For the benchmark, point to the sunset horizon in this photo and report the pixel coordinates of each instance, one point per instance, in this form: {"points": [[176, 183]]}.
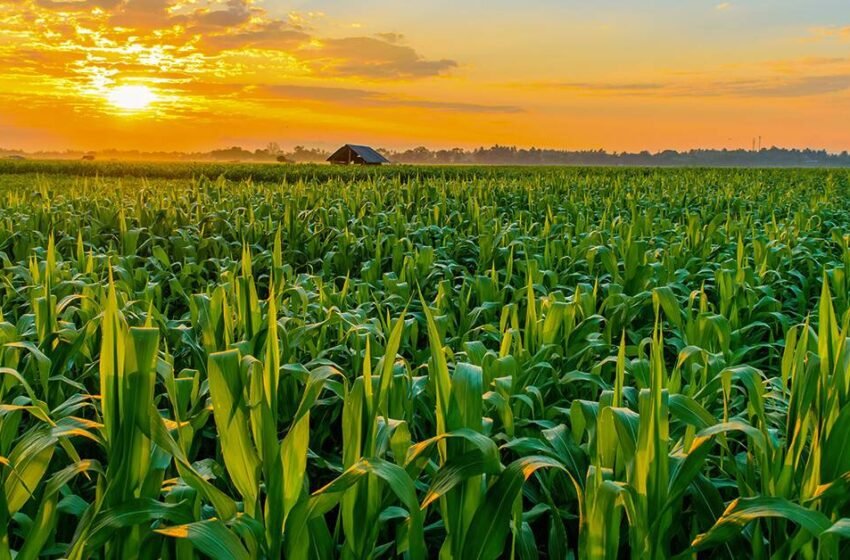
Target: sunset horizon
{"points": [[197, 75]]}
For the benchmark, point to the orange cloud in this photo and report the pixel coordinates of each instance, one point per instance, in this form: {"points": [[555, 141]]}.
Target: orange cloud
{"points": [[114, 40], [783, 85], [358, 98], [377, 57]]}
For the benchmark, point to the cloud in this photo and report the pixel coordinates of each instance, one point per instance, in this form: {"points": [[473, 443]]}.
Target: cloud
{"points": [[380, 58], [628, 88], [35, 61], [155, 15], [768, 86], [203, 36], [373, 57], [236, 13], [317, 93], [76, 5], [368, 98], [394, 38], [804, 86], [142, 14], [723, 6], [271, 35]]}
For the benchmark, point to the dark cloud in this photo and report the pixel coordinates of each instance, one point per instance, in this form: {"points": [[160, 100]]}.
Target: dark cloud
{"points": [[371, 57], [191, 37], [272, 35], [390, 37], [154, 14], [143, 14], [367, 57], [236, 13]]}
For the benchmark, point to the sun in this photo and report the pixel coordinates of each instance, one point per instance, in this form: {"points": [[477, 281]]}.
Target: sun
{"points": [[131, 98]]}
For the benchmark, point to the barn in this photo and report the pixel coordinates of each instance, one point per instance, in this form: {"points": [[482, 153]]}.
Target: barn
{"points": [[351, 154]]}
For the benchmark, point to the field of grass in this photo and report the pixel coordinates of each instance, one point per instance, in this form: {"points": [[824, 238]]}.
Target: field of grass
{"points": [[458, 363]]}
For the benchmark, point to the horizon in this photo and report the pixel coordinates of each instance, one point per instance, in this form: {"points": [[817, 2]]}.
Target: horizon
{"points": [[196, 75], [766, 157], [405, 149]]}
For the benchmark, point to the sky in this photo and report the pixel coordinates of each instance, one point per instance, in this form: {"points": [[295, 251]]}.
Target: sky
{"points": [[193, 75]]}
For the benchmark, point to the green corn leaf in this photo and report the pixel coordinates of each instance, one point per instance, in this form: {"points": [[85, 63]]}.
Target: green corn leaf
{"points": [[489, 527], [212, 537], [240, 456], [743, 511]]}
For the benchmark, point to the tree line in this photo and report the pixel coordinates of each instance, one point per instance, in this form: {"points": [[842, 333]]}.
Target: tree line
{"points": [[494, 155]]}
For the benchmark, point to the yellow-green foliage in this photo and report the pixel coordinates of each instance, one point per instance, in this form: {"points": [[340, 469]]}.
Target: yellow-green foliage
{"points": [[454, 363]]}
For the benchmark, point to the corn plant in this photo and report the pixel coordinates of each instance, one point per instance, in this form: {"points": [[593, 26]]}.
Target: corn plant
{"points": [[421, 362]]}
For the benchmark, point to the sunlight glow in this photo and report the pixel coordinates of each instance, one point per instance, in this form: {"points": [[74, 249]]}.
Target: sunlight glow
{"points": [[131, 98]]}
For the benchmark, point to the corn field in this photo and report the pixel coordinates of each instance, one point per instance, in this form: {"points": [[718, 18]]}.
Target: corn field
{"points": [[416, 363]]}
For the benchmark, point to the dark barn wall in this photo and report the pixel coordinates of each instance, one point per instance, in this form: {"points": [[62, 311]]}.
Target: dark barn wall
{"points": [[348, 155], [345, 156]]}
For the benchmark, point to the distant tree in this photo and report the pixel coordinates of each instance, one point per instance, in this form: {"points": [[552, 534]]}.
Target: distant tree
{"points": [[308, 155], [771, 157], [232, 153]]}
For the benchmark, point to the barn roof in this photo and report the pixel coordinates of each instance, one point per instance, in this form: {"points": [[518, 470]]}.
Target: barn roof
{"points": [[365, 152]]}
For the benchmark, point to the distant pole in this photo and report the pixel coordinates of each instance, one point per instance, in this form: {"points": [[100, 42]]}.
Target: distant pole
{"points": [[759, 142]]}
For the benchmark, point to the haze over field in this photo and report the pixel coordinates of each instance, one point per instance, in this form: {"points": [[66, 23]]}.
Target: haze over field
{"points": [[203, 74]]}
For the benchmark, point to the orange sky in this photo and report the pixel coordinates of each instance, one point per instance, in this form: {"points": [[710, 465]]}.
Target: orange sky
{"points": [[203, 74]]}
